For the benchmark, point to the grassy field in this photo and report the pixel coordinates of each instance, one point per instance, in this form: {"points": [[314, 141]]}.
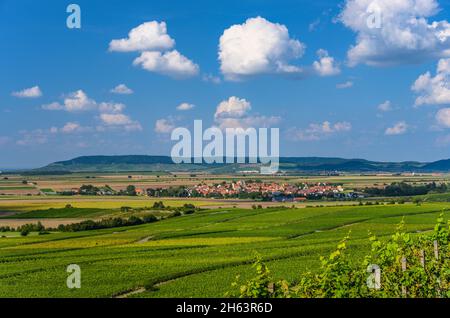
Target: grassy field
{"points": [[195, 255]]}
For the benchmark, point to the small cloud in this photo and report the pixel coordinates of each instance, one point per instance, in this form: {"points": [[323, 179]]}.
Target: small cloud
{"points": [[313, 25], [344, 85], [111, 108], [171, 63], [53, 106], [326, 65], [234, 107], [164, 126], [31, 138], [443, 117], [71, 127], [32, 92], [442, 141], [119, 121], [319, 131], [122, 89], [235, 113], [385, 107], [75, 102], [148, 36], [211, 79], [398, 129], [185, 106]]}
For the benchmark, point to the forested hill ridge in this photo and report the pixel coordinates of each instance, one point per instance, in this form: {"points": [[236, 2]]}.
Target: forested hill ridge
{"points": [[287, 164]]}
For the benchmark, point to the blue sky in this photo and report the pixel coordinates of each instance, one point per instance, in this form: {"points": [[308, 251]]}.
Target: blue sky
{"points": [[56, 99]]}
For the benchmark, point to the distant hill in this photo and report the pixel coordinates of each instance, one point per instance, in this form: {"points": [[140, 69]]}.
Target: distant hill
{"points": [[135, 163]]}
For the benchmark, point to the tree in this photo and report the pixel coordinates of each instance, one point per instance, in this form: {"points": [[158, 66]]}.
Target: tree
{"points": [[131, 190]]}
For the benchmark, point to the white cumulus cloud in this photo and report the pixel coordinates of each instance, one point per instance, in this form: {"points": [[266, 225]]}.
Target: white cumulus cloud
{"points": [[235, 113], [148, 36], [32, 92], [318, 131], [164, 126], [443, 117], [326, 65], [111, 107], [185, 106], [75, 102], [385, 106], [394, 32], [170, 63], [434, 90], [71, 127], [122, 89], [234, 107], [118, 120], [344, 85], [258, 46], [398, 129]]}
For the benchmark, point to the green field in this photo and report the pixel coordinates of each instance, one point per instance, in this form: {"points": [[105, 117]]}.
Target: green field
{"points": [[195, 255]]}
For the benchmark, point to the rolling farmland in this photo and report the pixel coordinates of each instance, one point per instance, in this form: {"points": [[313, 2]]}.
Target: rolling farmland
{"points": [[196, 255]]}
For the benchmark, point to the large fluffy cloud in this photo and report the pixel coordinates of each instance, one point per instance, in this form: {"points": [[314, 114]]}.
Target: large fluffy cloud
{"points": [[148, 36], [170, 63], [258, 46], [434, 90], [393, 32]]}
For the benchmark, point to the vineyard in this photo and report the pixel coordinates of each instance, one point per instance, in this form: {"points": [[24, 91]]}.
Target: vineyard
{"points": [[200, 255]]}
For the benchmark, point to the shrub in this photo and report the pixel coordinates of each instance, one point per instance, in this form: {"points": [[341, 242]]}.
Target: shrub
{"points": [[150, 219]]}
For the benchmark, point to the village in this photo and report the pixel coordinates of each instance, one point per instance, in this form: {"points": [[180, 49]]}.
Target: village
{"points": [[240, 189], [271, 191]]}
